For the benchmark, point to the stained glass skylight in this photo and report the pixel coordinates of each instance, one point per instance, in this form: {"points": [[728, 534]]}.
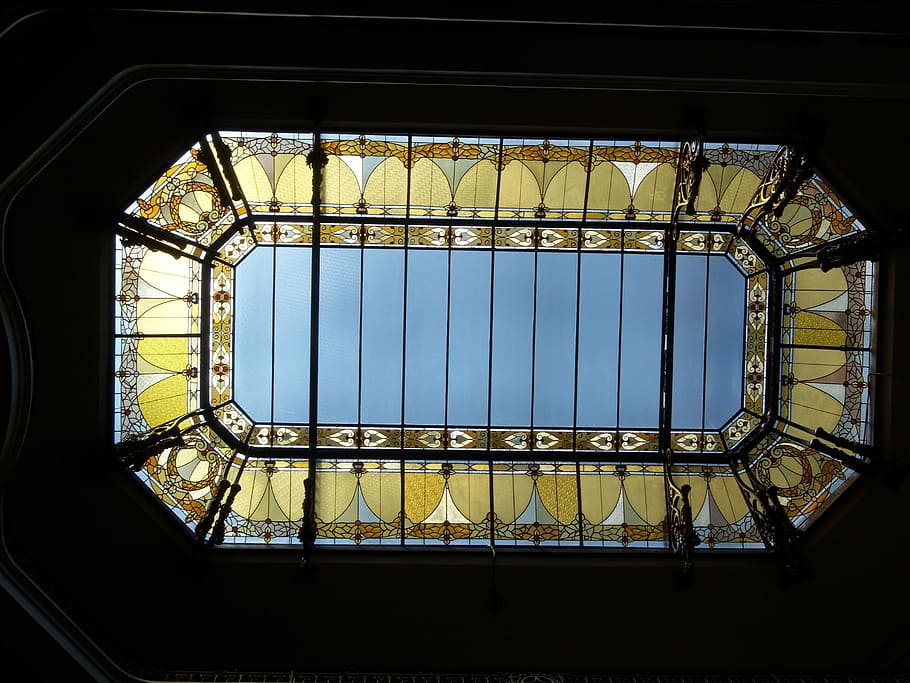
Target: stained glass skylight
{"points": [[485, 340]]}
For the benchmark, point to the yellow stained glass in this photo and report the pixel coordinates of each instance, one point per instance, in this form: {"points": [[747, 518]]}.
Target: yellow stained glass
{"points": [[387, 186], [422, 493], [600, 492], [165, 400], [655, 191], [430, 188], [816, 287], [340, 186], [609, 190], [381, 490], [728, 499], [295, 183], [470, 492], [566, 188]]}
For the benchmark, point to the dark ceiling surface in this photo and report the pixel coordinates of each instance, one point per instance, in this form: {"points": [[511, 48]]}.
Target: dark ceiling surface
{"points": [[97, 100]]}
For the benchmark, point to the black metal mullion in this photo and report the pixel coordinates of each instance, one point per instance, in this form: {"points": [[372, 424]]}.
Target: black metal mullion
{"points": [[533, 349], [314, 299], [445, 419], [821, 347], [317, 160], [667, 322], [773, 348], [704, 360], [579, 240], [745, 344], [622, 268], [535, 231], [360, 345], [272, 379], [404, 338], [404, 372], [490, 457]]}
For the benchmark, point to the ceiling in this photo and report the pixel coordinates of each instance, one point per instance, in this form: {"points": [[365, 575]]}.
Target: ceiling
{"points": [[96, 98]]}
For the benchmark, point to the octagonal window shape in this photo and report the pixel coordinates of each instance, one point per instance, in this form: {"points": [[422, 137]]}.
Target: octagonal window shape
{"points": [[460, 341], [405, 342]]}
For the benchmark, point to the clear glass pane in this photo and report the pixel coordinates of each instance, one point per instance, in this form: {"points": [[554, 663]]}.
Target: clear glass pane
{"points": [[425, 355], [339, 324], [639, 392], [293, 279], [513, 301], [469, 338], [383, 310], [598, 340], [253, 334], [726, 332], [554, 349], [689, 341]]}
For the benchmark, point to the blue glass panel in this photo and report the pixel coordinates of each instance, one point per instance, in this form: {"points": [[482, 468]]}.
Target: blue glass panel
{"points": [[383, 309], [689, 341], [726, 332], [425, 354], [339, 323], [513, 286], [554, 347], [469, 338], [598, 340], [253, 333], [639, 391], [292, 334]]}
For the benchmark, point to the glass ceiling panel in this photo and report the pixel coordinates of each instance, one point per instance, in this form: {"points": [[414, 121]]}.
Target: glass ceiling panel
{"points": [[271, 169], [729, 183], [826, 349], [483, 300], [469, 337], [428, 311]]}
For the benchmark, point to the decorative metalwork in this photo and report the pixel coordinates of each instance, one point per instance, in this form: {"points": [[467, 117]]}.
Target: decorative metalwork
{"points": [[777, 532], [856, 455], [860, 246], [789, 169], [680, 531], [217, 535], [134, 450], [692, 163], [135, 231], [212, 511], [308, 532]]}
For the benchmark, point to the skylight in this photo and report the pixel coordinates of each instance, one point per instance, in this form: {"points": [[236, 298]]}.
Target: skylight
{"points": [[463, 340], [575, 343]]}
